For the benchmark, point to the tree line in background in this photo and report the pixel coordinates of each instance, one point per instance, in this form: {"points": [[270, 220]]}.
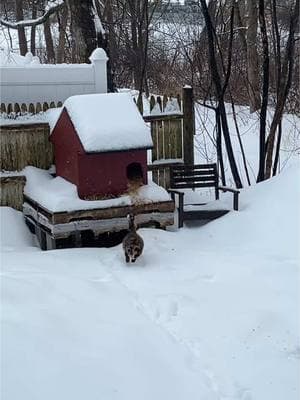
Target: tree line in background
{"points": [[237, 51]]}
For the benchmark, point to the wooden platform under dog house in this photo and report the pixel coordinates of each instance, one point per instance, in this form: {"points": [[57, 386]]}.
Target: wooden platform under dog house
{"points": [[60, 219], [93, 227]]}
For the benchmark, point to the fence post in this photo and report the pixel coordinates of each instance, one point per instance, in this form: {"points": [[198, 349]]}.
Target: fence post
{"points": [[99, 59], [188, 124]]}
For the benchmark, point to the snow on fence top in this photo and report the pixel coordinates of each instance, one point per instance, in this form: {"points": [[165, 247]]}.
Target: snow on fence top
{"points": [[108, 122], [11, 59], [30, 82]]}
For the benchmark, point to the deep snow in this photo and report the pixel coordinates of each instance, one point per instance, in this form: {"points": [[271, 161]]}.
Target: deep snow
{"points": [[208, 312]]}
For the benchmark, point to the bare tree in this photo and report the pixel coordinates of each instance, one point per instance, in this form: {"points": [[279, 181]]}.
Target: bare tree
{"points": [[21, 31], [284, 84], [49, 42], [252, 56], [219, 87], [265, 92], [62, 18], [33, 28]]}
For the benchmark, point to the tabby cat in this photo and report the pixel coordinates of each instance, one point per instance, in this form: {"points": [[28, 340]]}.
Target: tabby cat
{"points": [[133, 244]]}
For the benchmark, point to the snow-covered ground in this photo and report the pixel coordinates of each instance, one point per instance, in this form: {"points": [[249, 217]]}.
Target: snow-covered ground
{"points": [[207, 312]]}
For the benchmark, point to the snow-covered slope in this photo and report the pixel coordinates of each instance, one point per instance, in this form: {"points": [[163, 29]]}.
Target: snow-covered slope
{"points": [[208, 312]]}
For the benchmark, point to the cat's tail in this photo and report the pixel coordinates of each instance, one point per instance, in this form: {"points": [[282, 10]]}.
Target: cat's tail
{"points": [[130, 218]]}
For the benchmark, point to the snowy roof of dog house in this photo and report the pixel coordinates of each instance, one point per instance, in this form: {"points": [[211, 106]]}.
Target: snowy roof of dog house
{"points": [[108, 122]]}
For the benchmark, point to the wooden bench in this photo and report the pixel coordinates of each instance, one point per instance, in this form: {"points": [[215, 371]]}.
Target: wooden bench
{"points": [[198, 176]]}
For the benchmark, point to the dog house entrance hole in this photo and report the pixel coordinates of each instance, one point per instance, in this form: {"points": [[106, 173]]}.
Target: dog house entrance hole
{"points": [[135, 173]]}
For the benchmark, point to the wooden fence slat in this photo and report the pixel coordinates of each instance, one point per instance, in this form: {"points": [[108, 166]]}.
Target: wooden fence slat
{"points": [[160, 139], [38, 108], [3, 108], [159, 102], [140, 103], [167, 140], [179, 101], [154, 140], [17, 108], [152, 103], [165, 101], [188, 125], [31, 108], [45, 106], [173, 147], [23, 108]]}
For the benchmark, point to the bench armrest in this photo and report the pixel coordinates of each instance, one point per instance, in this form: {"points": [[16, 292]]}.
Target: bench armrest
{"points": [[228, 189], [180, 205], [175, 191], [235, 192]]}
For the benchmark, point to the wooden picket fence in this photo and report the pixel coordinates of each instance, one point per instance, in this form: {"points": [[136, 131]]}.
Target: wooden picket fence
{"points": [[172, 123], [32, 108], [166, 128]]}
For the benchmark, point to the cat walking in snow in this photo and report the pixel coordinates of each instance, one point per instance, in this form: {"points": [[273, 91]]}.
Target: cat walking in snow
{"points": [[133, 244]]}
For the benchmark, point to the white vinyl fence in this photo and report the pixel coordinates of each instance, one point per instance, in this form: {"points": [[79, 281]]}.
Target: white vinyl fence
{"points": [[43, 83]]}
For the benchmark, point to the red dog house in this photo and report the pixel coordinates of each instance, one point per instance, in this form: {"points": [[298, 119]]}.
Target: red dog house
{"points": [[100, 144]]}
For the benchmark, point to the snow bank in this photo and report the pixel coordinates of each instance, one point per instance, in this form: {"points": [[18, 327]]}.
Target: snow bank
{"points": [[269, 218], [13, 233], [207, 313], [57, 194], [108, 122]]}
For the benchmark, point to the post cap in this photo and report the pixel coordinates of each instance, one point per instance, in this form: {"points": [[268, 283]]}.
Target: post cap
{"points": [[98, 54]]}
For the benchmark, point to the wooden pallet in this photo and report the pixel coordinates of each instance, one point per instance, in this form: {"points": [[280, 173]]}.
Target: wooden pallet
{"points": [[93, 227]]}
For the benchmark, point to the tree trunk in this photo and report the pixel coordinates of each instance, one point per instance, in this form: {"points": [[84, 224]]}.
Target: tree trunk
{"points": [[111, 47], [220, 93], [134, 43], [21, 31], [265, 91], [283, 90], [252, 56], [33, 28], [83, 31], [277, 152], [219, 147], [49, 42], [62, 24]]}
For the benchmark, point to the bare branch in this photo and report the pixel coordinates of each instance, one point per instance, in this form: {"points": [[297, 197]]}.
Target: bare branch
{"points": [[52, 7]]}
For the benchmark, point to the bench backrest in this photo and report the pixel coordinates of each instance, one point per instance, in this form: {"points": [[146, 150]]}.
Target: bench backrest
{"points": [[194, 176]]}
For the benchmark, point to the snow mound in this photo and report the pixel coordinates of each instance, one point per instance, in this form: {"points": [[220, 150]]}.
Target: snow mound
{"points": [[268, 220], [14, 233]]}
